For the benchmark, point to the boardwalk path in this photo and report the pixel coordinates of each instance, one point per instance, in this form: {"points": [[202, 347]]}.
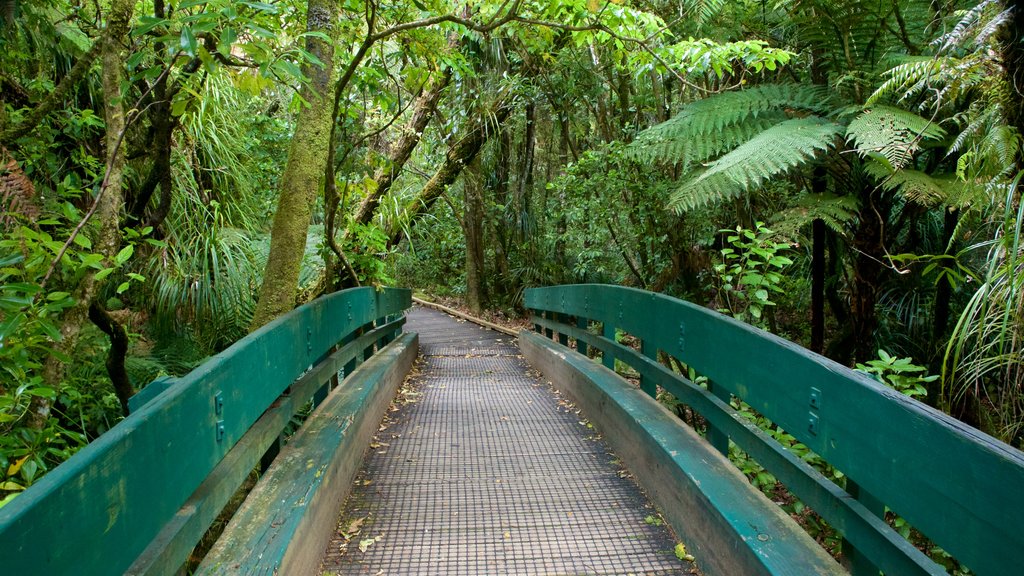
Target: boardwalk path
{"points": [[487, 472]]}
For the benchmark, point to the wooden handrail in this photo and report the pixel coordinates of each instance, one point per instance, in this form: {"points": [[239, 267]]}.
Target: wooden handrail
{"points": [[958, 486], [145, 485]]}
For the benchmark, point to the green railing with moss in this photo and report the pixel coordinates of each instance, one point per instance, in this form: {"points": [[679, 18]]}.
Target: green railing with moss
{"points": [[955, 485], [140, 497]]}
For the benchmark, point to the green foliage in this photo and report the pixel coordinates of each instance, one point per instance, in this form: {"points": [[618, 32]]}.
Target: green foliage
{"points": [[749, 273], [900, 374], [983, 361], [705, 128], [837, 212], [769, 154], [891, 135], [366, 247]]}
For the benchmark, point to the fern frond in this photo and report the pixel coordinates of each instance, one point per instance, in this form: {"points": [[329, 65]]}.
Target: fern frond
{"points": [[727, 119], [690, 151], [837, 212], [908, 79], [772, 153], [919, 187], [892, 132], [704, 11]]}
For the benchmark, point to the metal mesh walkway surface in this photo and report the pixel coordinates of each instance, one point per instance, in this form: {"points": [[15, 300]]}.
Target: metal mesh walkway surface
{"points": [[486, 471]]}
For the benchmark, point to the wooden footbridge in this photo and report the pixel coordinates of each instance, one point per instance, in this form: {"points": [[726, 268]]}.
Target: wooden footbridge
{"points": [[528, 455]]}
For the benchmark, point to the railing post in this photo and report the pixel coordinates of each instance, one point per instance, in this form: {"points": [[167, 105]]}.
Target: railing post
{"points": [[646, 385], [607, 358], [857, 562], [563, 338], [581, 346], [368, 351], [548, 332], [718, 438]]}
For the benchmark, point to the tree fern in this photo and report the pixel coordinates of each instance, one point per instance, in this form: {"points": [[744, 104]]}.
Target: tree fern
{"points": [[892, 133], [727, 119], [772, 153]]}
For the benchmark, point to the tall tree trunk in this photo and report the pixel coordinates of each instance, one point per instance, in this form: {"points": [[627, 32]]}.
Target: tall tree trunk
{"points": [[108, 203], [499, 231], [472, 227], [118, 351], [423, 111], [307, 158]]}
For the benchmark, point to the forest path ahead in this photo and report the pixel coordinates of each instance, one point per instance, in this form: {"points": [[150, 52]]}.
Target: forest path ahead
{"points": [[485, 470]]}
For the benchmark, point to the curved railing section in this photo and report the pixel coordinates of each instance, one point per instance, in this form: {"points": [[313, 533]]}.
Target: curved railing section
{"points": [[956, 485], [142, 495]]}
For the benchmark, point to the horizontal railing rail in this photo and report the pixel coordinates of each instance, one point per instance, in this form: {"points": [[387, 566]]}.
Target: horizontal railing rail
{"points": [[140, 497], [956, 485]]}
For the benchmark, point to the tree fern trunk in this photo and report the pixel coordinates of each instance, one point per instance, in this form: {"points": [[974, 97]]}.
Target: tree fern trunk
{"points": [[818, 286], [868, 272]]}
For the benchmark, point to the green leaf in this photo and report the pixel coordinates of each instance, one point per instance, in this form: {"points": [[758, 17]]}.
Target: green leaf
{"points": [[227, 39], [124, 286], [104, 273], [83, 241], [188, 41], [124, 254]]}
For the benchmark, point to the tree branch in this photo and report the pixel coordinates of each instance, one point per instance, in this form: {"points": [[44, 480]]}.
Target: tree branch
{"points": [[78, 71]]}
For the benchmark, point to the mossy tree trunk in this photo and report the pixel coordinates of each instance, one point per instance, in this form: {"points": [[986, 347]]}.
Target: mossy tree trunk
{"points": [[108, 203], [307, 158], [472, 227]]}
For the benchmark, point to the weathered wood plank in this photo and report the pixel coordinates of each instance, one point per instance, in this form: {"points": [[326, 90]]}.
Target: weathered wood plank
{"points": [[729, 525], [957, 485], [111, 499], [285, 524]]}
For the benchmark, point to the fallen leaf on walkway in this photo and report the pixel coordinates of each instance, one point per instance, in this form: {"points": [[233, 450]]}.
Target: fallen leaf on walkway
{"points": [[353, 528], [365, 544]]}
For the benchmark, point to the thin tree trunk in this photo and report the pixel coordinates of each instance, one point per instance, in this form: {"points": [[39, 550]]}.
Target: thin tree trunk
{"points": [[108, 205], [526, 174], [118, 351], [818, 232], [300, 182], [868, 270]]}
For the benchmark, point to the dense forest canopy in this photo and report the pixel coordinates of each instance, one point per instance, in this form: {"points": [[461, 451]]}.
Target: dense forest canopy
{"points": [[174, 174]]}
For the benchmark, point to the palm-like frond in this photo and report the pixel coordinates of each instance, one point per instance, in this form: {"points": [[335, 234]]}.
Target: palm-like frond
{"points": [[704, 11], [837, 212], [892, 133], [705, 128], [769, 154]]}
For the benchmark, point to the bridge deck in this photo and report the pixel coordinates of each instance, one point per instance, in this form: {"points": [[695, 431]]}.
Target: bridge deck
{"points": [[489, 472]]}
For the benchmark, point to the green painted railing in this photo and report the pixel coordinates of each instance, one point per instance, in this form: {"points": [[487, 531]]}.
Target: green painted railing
{"points": [[142, 495], [961, 488]]}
